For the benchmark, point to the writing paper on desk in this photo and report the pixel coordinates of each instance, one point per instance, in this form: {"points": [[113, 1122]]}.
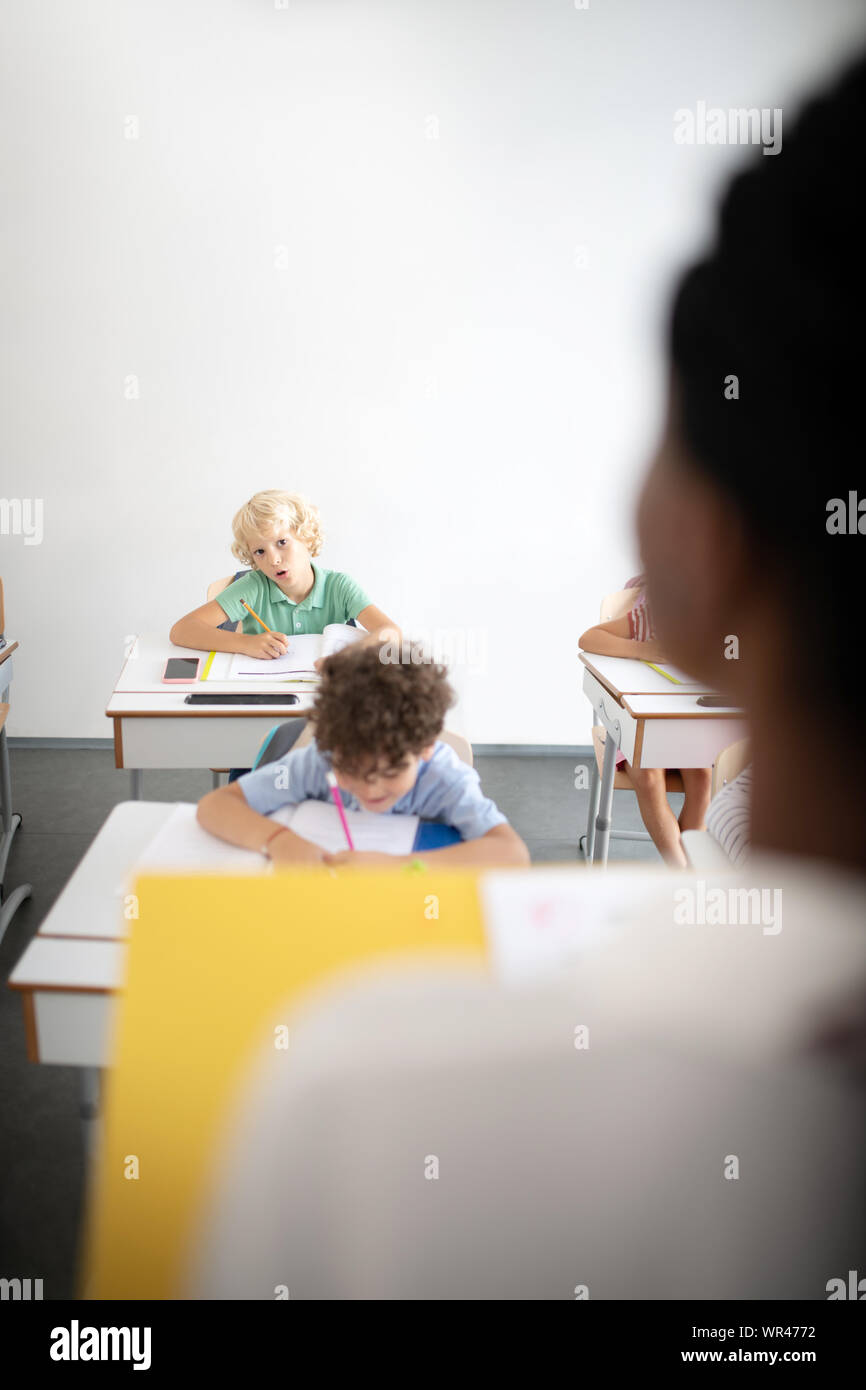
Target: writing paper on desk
{"points": [[181, 845], [540, 922], [319, 821], [299, 659]]}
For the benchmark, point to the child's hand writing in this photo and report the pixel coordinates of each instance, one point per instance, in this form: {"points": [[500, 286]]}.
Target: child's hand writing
{"points": [[291, 849], [265, 645]]}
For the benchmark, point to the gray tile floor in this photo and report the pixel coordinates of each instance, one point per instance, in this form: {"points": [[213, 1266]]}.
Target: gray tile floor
{"points": [[64, 796]]}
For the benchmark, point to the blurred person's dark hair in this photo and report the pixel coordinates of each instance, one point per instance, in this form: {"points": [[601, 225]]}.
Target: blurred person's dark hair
{"points": [[780, 302]]}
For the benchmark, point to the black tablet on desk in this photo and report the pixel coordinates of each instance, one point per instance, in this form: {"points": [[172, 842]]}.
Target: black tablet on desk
{"points": [[202, 697]]}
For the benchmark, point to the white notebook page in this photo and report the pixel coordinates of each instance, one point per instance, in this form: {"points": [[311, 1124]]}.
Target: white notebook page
{"points": [[302, 652], [319, 821], [299, 658], [181, 845]]}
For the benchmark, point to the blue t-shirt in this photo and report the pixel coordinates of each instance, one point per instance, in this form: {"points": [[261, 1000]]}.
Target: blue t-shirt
{"points": [[445, 789]]}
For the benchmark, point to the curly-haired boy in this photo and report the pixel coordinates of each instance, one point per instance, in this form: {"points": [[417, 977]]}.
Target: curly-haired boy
{"points": [[377, 726]]}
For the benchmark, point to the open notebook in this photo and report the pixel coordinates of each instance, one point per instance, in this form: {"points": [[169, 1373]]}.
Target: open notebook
{"points": [[182, 846], [302, 653]]}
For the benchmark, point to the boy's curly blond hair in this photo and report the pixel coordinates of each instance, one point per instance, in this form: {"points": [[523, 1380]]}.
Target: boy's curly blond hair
{"points": [[265, 511]]}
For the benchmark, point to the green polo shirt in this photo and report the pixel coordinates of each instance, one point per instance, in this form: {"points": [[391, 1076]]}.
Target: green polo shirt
{"points": [[334, 598]]}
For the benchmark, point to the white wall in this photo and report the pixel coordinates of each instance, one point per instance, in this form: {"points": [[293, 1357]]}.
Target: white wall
{"points": [[471, 409]]}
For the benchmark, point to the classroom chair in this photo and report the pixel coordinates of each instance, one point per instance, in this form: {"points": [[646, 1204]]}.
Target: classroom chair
{"points": [[297, 733], [10, 819], [614, 606], [217, 586]]}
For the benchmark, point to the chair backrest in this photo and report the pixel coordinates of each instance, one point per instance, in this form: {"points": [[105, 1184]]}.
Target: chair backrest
{"points": [[217, 586], [462, 747], [615, 605], [730, 763]]}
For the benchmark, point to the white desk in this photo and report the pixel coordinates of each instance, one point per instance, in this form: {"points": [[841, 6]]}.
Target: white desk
{"points": [[73, 970], [654, 723], [153, 727], [73, 967], [630, 677]]}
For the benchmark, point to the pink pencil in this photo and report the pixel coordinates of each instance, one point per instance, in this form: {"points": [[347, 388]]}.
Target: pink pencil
{"points": [[335, 793]]}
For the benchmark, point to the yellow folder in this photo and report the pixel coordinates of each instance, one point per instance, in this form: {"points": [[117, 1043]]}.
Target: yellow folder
{"points": [[212, 962]]}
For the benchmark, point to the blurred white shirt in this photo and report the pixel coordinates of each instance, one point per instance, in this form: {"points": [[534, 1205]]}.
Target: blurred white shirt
{"points": [[432, 1134]]}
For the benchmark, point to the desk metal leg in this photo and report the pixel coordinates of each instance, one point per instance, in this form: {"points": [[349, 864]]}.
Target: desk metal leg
{"points": [[602, 820], [594, 793], [11, 905], [135, 783], [5, 787], [10, 823]]}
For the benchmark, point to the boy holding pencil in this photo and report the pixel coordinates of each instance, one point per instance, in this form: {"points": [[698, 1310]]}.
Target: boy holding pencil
{"points": [[285, 593], [377, 746]]}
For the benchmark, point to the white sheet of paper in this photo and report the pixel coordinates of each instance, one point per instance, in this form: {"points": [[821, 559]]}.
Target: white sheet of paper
{"points": [[336, 636], [302, 652], [541, 921], [183, 846], [319, 821]]}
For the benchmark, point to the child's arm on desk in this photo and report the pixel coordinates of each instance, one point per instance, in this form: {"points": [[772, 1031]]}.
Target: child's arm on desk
{"points": [[498, 848], [200, 630], [612, 639], [379, 626], [224, 812]]}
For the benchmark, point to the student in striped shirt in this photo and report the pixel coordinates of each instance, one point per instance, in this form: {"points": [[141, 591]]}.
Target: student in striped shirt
{"points": [[633, 635], [729, 815]]}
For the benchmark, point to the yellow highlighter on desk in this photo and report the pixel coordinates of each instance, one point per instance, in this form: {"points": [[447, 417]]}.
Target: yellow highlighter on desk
{"points": [[662, 672]]}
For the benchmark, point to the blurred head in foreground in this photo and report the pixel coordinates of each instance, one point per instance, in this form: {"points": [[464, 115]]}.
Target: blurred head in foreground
{"points": [[750, 521]]}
